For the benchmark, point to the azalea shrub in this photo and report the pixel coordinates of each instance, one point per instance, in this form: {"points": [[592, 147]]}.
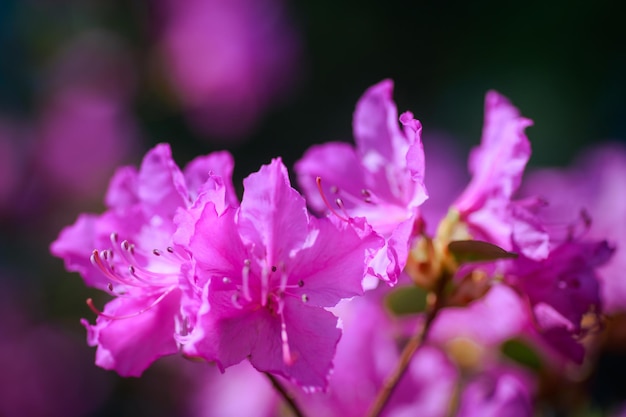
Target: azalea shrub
{"points": [[356, 296]]}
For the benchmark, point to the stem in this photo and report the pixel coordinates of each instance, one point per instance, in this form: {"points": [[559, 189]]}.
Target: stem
{"points": [[289, 399], [389, 385]]}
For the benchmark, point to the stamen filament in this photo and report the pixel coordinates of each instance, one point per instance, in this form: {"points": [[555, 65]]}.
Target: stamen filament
{"points": [[93, 308], [318, 180]]}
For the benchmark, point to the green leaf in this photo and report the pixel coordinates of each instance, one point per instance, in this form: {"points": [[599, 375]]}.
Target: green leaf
{"points": [[521, 352], [406, 300], [465, 251]]}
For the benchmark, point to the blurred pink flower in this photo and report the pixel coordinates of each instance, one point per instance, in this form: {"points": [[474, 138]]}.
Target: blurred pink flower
{"points": [[594, 183], [366, 354], [45, 370], [83, 136], [240, 391], [85, 128], [228, 61]]}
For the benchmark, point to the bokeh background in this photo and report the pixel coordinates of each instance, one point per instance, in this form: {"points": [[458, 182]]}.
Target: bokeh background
{"points": [[88, 85]]}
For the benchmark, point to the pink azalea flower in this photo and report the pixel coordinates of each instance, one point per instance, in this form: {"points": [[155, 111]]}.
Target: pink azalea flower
{"points": [[217, 394], [561, 289], [501, 307], [135, 260], [595, 183], [381, 180], [497, 166], [366, 354], [228, 61], [85, 128], [499, 391], [266, 272], [45, 368]]}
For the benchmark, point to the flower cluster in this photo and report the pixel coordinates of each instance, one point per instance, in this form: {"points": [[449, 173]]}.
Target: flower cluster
{"points": [[501, 295]]}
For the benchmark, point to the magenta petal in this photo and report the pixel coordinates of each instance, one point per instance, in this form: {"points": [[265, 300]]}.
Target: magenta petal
{"points": [[312, 338], [375, 125], [216, 163], [216, 244], [122, 190], [161, 183], [501, 307], [273, 215], [130, 345], [74, 246], [498, 163], [337, 164], [332, 267], [227, 335]]}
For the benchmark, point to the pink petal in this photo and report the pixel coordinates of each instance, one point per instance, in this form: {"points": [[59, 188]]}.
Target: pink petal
{"points": [[130, 345], [273, 216]]}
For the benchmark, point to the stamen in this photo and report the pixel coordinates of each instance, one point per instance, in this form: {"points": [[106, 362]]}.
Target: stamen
{"points": [[156, 252], [318, 180], [143, 310], [367, 195], [96, 260], [265, 286], [305, 298], [235, 300], [288, 358], [283, 278], [245, 280]]}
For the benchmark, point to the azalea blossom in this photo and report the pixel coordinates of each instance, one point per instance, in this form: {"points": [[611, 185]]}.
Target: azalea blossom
{"points": [[228, 61], [265, 273], [497, 166], [594, 184], [129, 253], [382, 179]]}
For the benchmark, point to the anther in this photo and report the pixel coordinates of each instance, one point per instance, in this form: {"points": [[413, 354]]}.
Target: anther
{"points": [[226, 280], [125, 245], [170, 249], [274, 268], [156, 252], [300, 283], [305, 298], [114, 237]]}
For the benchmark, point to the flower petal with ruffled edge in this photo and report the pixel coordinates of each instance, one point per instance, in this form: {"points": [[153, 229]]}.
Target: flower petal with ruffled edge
{"points": [[382, 179], [129, 252], [129, 346], [497, 166], [265, 269]]}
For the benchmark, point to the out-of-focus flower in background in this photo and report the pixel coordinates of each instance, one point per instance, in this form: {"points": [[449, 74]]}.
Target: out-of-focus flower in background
{"points": [[85, 128], [228, 61], [45, 369], [595, 184]]}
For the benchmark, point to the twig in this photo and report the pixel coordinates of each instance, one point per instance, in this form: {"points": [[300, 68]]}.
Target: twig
{"points": [[389, 385], [289, 399]]}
